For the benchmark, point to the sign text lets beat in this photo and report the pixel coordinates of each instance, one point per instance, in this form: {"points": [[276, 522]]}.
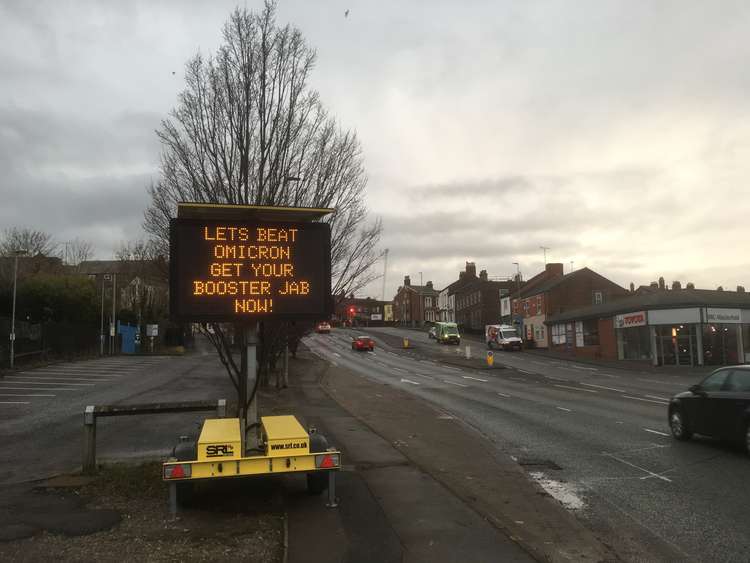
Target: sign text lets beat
{"points": [[253, 265]]}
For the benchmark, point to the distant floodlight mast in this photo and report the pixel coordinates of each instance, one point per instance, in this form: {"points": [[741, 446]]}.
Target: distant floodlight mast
{"points": [[16, 254]]}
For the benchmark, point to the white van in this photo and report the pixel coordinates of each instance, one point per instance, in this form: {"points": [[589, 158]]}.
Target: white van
{"points": [[504, 337]]}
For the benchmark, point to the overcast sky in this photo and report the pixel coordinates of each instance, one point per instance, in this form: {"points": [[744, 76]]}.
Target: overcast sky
{"points": [[615, 133]]}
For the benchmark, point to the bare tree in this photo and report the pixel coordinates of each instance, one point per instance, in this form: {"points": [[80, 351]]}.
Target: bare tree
{"points": [[77, 251], [248, 129], [31, 240]]}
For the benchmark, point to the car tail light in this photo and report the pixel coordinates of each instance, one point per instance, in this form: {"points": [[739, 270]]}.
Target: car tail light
{"points": [[178, 471], [327, 461]]}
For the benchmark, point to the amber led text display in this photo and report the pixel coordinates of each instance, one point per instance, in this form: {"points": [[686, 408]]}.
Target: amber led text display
{"points": [[227, 270]]}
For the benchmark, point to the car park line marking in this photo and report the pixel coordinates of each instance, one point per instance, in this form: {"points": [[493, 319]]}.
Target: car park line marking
{"points": [[650, 473], [603, 387], [14, 402], [17, 381], [36, 389], [504, 395], [474, 378], [564, 409], [656, 432], [576, 388], [454, 383], [409, 381], [24, 394], [645, 400], [43, 378], [656, 397]]}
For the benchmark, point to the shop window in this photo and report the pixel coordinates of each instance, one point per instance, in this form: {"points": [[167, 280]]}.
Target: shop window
{"points": [[558, 334]]}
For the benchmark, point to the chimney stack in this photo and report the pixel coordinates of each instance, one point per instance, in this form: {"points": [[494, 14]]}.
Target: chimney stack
{"points": [[407, 281], [554, 269], [483, 275], [471, 270], [429, 285]]}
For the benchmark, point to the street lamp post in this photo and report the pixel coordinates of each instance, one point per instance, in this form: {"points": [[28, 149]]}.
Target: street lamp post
{"points": [[16, 254]]}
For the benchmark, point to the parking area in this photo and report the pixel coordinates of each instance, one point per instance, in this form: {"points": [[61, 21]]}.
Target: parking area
{"points": [[60, 381]]}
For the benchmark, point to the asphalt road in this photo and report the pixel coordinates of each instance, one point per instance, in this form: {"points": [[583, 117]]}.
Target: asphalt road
{"points": [[595, 438], [41, 410]]}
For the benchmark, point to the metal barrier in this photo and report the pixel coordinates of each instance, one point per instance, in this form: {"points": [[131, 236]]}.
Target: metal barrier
{"points": [[92, 412]]}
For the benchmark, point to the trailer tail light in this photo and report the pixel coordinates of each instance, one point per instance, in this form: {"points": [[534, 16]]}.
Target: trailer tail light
{"points": [[327, 461], [178, 471]]}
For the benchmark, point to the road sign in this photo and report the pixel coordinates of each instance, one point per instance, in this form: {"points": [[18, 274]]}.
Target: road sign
{"points": [[152, 330], [12, 336], [490, 358], [236, 270]]}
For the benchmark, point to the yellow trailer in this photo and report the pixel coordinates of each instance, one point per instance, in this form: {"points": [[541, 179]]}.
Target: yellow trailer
{"points": [[286, 447]]}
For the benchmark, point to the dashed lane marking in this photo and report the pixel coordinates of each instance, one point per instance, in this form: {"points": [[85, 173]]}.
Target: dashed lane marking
{"points": [[423, 375], [475, 378], [504, 395], [526, 372], [576, 388], [34, 389], [409, 381], [645, 400], [14, 402], [563, 409], [603, 387], [454, 383], [656, 432], [18, 381], [59, 377], [656, 397]]}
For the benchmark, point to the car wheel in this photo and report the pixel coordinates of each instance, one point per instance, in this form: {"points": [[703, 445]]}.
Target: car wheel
{"points": [[678, 425]]}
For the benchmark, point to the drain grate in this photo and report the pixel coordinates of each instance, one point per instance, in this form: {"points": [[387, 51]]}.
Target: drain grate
{"points": [[536, 463]]}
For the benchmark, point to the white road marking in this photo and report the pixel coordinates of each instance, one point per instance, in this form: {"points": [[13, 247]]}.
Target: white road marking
{"points": [[656, 432], [576, 388], [8, 377], [650, 473], [337, 354], [371, 352], [661, 382], [603, 387], [526, 372], [23, 395], [555, 378], [645, 400], [399, 369], [18, 381], [334, 364], [656, 397], [474, 378], [35, 389], [610, 375], [66, 374], [453, 383], [563, 409], [409, 381], [14, 402], [504, 395]]}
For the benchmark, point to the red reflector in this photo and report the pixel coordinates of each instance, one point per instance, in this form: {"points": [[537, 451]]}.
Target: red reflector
{"points": [[177, 472], [327, 462]]}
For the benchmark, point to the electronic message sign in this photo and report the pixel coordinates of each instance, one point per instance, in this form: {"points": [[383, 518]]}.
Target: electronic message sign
{"points": [[229, 270]]}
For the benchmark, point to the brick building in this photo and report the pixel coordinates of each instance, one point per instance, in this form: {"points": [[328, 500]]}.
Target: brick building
{"points": [[552, 293], [361, 311], [477, 298], [414, 305]]}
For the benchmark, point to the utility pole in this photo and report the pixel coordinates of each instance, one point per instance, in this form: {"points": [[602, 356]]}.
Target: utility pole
{"points": [[101, 328], [545, 249], [385, 270], [16, 254], [113, 325]]}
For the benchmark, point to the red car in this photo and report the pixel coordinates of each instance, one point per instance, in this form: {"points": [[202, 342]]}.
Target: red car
{"points": [[363, 343]]}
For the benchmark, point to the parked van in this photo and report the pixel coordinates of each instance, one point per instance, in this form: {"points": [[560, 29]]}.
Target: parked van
{"points": [[504, 337], [447, 333]]}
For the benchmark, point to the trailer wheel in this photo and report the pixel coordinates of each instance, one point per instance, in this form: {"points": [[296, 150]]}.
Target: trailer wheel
{"points": [[317, 481]]}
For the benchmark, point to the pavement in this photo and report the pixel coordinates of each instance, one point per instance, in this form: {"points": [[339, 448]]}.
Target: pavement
{"points": [[594, 437]]}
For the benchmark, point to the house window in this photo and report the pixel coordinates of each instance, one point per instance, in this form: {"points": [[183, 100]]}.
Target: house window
{"points": [[598, 298], [538, 304], [428, 301]]}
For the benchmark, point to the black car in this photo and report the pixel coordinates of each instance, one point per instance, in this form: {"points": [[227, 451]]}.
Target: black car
{"points": [[718, 406]]}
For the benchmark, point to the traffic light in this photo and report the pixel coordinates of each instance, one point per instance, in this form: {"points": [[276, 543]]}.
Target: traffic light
{"points": [[352, 310]]}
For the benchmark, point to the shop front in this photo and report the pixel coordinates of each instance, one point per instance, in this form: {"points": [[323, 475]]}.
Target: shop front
{"points": [[722, 337], [633, 336]]}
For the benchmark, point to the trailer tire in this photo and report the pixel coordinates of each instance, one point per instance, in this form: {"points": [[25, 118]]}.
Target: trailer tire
{"points": [[317, 481]]}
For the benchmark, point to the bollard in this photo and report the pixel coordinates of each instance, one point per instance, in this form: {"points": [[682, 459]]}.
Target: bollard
{"points": [[406, 342], [490, 358], [468, 352], [89, 441]]}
